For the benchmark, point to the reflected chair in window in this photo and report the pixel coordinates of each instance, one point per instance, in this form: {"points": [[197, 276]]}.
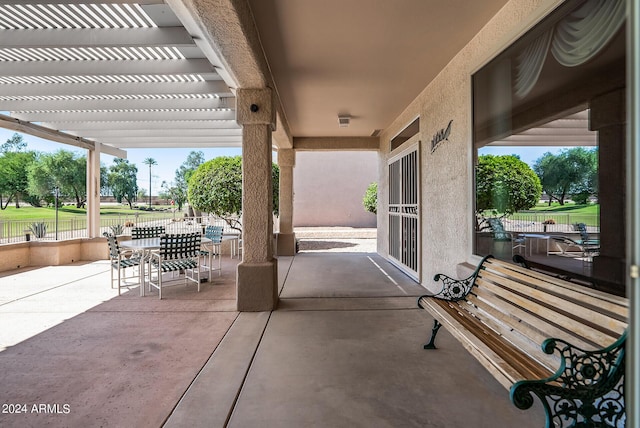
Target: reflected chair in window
{"points": [[120, 261], [589, 251], [178, 252], [584, 235], [517, 242], [142, 232], [211, 250]]}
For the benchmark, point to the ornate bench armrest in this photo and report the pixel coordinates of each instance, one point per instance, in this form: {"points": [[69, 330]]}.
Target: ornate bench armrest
{"points": [[587, 389], [456, 289]]}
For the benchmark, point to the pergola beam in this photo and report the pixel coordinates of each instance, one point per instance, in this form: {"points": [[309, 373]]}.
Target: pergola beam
{"points": [[159, 133], [107, 116], [96, 38], [53, 135], [336, 143], [143, 124], [177, 143], [117, 104], [109, 68], [66, 89], [141, 2]]}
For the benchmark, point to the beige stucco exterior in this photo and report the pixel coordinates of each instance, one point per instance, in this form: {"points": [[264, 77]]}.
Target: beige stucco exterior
{"points": [[52, 253], [446, 193], [329, 187]]}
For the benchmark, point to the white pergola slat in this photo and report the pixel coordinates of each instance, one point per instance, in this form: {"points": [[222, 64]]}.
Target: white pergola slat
{"points": [[118, 104], [97, 38], [112, 134], [173, 142], [97, 116], [120, 73], [82, 127], [133, 88], [113, 67]]}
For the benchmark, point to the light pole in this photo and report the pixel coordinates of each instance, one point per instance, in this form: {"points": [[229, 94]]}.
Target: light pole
{"points": [[57, 194]]}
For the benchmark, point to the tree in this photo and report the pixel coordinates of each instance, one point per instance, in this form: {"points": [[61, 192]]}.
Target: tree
{"points": [[370, 200], [573, 173], [505, 184], [14, 178], [150, 162], [585, 163], [65, 169], [122, 180], [14, 144], [178, 191], [216, 187], [14, 162]]}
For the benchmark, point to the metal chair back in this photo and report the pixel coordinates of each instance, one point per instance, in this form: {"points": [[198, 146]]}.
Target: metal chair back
{"points": [[214, 233], [179, 246], [147, 232]]}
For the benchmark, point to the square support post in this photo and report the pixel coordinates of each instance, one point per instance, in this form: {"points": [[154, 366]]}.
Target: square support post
{"points": [[93, 192], [286, 237], [257, 280]]}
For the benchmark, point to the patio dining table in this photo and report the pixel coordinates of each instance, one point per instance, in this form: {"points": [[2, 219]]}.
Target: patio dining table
{"points": [[145, 247]]}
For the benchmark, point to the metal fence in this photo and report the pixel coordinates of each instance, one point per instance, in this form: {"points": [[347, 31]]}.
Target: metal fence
{"points": [[550, 222], [12, 231]]}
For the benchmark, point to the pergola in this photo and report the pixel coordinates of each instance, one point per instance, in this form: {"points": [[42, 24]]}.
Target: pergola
{"points": [[110, 75]]}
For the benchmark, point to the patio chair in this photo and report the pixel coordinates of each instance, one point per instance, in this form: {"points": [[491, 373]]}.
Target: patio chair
{"points": [[147, 232], [517, 242], [121, 260], [212, 249], [178, 252], [584, 235]]}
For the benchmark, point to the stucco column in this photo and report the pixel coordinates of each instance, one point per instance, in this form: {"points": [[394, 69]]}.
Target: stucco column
{"points": [[257, 285], [93, 192], [286, 237]]}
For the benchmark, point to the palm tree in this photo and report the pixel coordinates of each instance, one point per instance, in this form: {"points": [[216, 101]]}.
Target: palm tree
{"points": [[150, 161]]}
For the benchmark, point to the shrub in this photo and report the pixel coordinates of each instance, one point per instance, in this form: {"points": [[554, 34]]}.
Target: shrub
{"points": [[39, 229], [370, 200], [117, 229]]}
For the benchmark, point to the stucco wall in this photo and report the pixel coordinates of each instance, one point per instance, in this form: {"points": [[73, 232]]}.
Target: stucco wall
{"points": [[51, 253], [446, 173], [329, 186]]}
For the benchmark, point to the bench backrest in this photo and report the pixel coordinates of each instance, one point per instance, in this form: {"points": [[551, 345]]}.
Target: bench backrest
{"points": [[540, 306]]}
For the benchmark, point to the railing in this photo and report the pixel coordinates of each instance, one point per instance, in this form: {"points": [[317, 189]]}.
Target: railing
{"points": [[546, 222], [12, 231]]}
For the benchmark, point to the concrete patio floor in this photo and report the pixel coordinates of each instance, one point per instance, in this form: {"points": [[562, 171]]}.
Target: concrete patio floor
{"points": [[344, 349]]}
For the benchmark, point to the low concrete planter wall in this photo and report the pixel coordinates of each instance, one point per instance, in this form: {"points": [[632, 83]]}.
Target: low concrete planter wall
{"points": [[52, 253]]}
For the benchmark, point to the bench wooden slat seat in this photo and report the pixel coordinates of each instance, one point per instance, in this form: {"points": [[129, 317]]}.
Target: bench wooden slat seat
{"points": [[502, 314]]}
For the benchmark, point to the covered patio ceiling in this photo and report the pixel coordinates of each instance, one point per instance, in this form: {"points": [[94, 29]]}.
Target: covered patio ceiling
{"points": [[148, 73], [121, 73]]}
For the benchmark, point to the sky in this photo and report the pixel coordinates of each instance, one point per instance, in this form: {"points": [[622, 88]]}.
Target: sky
{"points": [[528, 155], [168, 159]]}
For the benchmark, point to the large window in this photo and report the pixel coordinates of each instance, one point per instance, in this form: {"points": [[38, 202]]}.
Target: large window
{"points": [[549, 129]]}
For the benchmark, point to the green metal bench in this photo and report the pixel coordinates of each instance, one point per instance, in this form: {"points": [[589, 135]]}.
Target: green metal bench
{"points": [[502, 312]]}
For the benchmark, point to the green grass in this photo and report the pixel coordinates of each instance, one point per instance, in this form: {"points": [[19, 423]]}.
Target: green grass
{"points": [[568, 208], [566, 214], [69, 211]]}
